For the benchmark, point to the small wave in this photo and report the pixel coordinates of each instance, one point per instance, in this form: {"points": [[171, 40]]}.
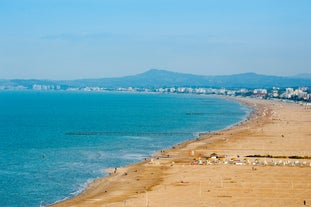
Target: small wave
{"points": [[133, 156], [82, 187], [96, 154], [79, 190], [139, 138]]}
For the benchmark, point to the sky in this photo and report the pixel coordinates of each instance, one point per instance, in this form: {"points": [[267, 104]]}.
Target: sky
{"points": [[73, 39]]}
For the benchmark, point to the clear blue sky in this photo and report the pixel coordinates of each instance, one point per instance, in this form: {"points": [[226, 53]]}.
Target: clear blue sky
{"points": [[70, 39]]}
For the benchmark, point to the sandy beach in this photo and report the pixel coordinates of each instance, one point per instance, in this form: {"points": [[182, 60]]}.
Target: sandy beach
{"points": [[219, 168]]}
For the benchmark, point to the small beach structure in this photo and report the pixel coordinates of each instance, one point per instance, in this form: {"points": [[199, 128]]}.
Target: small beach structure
{"points": [[214, 155]]}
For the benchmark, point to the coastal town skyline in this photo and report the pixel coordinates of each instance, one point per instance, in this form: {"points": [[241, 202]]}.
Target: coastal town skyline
{"points": [[91, 39]]}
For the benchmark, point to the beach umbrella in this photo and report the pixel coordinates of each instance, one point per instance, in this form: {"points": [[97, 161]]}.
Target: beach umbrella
{"points": [[214, 155]]}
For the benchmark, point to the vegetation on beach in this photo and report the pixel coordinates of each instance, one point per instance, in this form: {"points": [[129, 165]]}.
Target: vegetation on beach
{"points": [[280, 156]]}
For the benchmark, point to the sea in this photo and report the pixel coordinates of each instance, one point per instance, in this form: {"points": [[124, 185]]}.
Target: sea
{"points": [[53, 144]]}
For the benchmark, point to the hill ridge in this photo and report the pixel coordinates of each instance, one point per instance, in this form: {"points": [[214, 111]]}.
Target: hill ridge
{"points": [[157, 78]]}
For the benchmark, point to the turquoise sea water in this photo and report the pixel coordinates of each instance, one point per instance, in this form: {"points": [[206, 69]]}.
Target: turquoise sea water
{"points": [[53, 144]]}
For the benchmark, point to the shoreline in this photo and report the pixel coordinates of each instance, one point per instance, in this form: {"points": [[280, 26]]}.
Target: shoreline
{"points": [[131, 185], [110, 171]]}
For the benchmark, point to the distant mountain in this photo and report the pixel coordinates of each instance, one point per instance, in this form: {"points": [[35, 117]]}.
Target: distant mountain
{"points": [[253, 80], [155, 78], [151, 79], [303, 76]]}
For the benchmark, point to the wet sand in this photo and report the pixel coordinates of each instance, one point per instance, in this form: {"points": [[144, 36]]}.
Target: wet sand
{"points": [[172, 179]]}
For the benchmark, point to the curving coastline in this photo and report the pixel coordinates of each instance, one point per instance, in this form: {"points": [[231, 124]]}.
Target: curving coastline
{"points": [[170, 179]]}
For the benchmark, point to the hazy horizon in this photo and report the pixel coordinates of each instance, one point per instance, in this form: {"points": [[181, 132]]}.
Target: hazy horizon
{"points": [[170, 71], [82, 39]]}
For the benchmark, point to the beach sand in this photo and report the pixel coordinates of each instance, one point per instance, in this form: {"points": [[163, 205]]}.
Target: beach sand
{"points": [[171, 179]]}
